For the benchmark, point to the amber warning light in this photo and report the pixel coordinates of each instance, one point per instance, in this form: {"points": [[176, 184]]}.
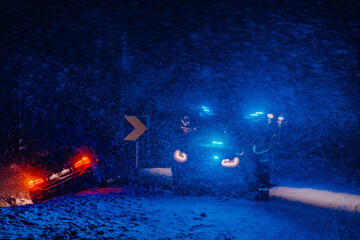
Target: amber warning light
{"points": [[83, 163], [35, 182]]}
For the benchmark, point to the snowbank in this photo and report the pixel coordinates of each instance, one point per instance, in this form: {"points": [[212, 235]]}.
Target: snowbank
{"points": [[13, 190], [320, 198]]}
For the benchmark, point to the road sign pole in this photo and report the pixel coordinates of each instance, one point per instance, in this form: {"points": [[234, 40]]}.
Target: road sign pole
{"points": [[137, 154], [139, 129]]}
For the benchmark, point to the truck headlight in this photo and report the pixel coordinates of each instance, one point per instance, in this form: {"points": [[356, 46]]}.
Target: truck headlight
{"points": [[179, 156]]}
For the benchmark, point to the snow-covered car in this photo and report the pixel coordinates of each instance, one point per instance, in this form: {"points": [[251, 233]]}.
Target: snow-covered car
{"points": [[79, 171]]}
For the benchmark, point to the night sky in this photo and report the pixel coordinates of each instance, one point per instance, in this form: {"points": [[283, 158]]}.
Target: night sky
{"points": [[71, 71]]}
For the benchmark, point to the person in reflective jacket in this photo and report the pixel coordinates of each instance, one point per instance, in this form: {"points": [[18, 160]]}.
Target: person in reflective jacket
{"points": [[262, 159], [265, 129]]}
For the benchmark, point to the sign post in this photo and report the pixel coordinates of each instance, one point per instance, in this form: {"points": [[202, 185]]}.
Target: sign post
{"points": [[135, 134]]}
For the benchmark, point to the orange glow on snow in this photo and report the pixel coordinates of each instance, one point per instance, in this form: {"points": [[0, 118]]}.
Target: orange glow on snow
{"points": [[180, 156], [230, 163]]}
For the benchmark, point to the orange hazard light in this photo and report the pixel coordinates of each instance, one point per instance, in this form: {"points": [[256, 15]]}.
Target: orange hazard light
{"points": [[83, 163], [33, 183]]}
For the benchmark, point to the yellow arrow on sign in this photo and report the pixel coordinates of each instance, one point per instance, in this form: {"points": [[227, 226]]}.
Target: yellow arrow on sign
{"points": [[139, 128]]}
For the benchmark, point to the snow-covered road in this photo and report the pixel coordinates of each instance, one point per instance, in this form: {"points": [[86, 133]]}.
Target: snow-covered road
{"points": [[129, 213]]}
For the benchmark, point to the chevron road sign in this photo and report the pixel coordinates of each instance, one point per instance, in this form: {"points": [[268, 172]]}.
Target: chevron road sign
{"points": [[139, 128]]}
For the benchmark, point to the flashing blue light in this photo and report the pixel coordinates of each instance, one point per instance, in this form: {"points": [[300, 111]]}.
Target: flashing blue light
{"points": [[217, 142], [256, 114], [206, 109], [216, 157]]}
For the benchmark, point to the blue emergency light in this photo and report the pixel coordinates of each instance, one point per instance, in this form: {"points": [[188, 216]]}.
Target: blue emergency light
{"points": [[206, 109]]}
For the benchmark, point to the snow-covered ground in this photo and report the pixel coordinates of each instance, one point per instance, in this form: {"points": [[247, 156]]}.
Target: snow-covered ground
{"points": [[131, 213]]}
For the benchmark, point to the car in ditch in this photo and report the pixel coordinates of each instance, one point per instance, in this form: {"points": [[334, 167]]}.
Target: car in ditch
{"points": [[78, 173]]}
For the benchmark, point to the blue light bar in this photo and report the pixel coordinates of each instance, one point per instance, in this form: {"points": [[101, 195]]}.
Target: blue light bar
{"points": [[216, 157], [205, 109], [256, 114], [217, 142]]}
